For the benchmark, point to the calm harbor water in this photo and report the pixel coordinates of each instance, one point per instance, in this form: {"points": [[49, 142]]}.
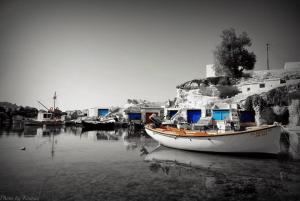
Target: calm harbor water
{"points": [[68, 164]]}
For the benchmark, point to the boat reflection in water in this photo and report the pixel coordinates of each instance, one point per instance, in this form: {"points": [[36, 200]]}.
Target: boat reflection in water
{"points": [[220, 176], [137, 139], [101, 135], [49, 130], [132, 140]]}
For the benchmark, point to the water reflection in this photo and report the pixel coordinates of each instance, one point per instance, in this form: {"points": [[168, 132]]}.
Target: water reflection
{"points": [[76, 130], [30, 131], [64, 163], [17, 128], [228, 175]]}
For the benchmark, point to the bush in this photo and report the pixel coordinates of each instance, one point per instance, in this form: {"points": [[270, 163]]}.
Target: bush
{"points": [[227, 91]]}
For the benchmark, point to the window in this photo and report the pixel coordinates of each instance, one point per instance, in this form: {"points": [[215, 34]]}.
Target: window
{"points": [[208, 112], [282, 81], [47, 116], [248, 89], [261, 85]]}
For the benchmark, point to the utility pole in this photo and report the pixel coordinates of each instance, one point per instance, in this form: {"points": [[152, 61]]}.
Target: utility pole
{"points": [[268, 56]]}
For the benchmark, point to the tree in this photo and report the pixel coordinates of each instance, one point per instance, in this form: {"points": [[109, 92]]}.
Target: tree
{"points": [[231, 56]]}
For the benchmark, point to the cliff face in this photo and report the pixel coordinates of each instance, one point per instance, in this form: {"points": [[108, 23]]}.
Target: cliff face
{"points": [[193, 98], [199, 93]]}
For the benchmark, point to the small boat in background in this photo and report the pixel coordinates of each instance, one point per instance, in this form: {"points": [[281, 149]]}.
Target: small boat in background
{"points": [[45, 118], [52, 116], [107, 124]]}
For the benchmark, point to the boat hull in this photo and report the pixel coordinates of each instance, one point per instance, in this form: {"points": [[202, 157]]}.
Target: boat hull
{"points": [[98, 125], [41, 123], [266, 140]]}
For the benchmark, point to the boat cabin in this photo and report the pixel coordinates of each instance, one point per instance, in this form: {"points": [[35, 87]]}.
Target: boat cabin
{"points": [[44, 116], [148, 111]]}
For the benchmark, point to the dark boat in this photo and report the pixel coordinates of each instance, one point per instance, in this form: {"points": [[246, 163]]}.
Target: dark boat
{"points": [[98, 125]]}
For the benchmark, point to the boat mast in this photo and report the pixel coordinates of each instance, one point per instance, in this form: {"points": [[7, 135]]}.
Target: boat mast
{"points": [[54, 98]]}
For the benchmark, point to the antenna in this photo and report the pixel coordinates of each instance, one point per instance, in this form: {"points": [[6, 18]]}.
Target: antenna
{"points": [[268, 67]]}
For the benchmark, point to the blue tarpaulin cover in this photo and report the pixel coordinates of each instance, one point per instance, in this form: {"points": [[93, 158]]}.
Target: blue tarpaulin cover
{"points": [[193, 116]]}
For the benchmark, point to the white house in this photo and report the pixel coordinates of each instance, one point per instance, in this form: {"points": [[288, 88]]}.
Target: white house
{"points": [[210, 70], [93, 112], [292, 66], [259, 87]]}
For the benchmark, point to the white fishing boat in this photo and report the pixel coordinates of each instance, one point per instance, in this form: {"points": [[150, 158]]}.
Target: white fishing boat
{"points": [[263, 139], [45, 118], [52, 116]]}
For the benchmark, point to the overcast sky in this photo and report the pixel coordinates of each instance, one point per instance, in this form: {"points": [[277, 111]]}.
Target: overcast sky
{"points": [[100, 53]]}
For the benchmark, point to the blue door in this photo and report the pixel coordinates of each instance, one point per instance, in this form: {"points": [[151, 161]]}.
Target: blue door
{"points": [[247, 116], [102, 112], [220, 114], [193, 116], [134, 116], [172, 113]]}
